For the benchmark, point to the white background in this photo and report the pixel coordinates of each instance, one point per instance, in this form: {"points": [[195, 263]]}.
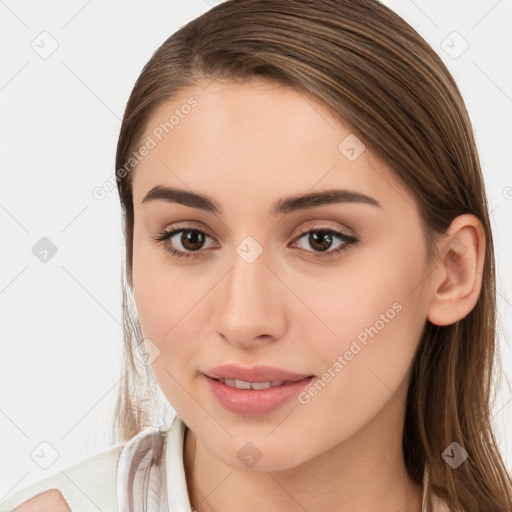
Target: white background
{"points": [[61, 334]]}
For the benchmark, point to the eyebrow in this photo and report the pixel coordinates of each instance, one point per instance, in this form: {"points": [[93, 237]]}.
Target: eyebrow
{"points": [[281, 206]]}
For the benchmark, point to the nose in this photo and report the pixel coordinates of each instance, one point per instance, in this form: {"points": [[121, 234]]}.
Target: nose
{"points": [[250, 304]]}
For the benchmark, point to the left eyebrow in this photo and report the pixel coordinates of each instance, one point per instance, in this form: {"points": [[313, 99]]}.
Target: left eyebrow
{"points": [[315, 199], [281, 206]]}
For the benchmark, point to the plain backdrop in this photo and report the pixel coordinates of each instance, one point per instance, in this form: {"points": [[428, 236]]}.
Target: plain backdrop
{"points": [[66, 71]]}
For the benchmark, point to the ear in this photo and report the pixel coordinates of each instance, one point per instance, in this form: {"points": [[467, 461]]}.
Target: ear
{"points": [[458, 277]]}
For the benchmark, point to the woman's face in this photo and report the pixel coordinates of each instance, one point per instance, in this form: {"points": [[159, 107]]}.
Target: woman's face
{"points": [[255, 290]]}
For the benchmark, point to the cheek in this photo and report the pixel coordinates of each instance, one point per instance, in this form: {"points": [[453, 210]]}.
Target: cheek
{"points": [[165, 308], [377, 323], [160, 294], [168, 301], [164, 301]]}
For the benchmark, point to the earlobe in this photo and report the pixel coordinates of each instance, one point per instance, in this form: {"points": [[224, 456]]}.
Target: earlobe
{"points": [[457, 282]]}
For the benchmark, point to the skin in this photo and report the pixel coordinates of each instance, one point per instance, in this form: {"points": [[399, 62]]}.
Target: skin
{"points": [[246, 145]]}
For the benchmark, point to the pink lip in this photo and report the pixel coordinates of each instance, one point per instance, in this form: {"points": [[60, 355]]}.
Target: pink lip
{"points": [[254, 402], [259, 373]]}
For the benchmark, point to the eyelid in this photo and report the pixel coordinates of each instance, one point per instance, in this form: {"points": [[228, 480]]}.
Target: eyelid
{"points": [[184, 226], [323, 227]]}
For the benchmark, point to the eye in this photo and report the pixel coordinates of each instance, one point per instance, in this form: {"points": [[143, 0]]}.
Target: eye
{"points": [[191, 240], [322, 239]]}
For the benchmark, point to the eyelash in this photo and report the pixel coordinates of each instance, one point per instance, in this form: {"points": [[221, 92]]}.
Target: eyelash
{"points": [[349, 241]]}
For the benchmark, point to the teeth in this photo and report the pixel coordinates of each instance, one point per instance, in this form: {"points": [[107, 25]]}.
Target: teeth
{"points": [[242, 384], [262, 385]]}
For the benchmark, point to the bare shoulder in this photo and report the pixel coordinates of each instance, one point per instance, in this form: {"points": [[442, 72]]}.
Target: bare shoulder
{"points": [[47, 501]]}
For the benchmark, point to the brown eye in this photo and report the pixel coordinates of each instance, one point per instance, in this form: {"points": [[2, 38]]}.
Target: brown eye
{"points": [[192, 240], [182, 242], [321, 240]]}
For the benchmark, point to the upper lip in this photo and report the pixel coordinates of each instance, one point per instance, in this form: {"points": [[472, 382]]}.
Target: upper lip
{"points": [[259, 373]]}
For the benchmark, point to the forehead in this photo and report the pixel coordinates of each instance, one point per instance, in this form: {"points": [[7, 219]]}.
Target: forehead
{"points": [[258, 138]]}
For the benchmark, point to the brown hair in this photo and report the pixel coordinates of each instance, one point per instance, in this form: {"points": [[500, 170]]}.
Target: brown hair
{"points": [[378, 75]]}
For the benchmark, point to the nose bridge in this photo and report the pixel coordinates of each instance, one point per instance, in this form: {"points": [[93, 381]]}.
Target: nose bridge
{"points": [[249, 274], [246, 306]]}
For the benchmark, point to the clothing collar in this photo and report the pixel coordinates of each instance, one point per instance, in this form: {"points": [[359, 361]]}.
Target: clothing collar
{"points": [[151, 473], [176, 482]]}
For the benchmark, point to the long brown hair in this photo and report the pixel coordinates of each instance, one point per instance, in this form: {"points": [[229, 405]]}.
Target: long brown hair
{"points": [[378, 75]]}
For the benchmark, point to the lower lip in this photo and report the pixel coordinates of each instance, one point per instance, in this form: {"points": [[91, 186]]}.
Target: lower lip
{"points": [[255, 402]]}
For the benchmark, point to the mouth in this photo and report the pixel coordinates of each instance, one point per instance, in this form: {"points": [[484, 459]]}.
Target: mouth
{"points": [[243, 384], [253, 399]]}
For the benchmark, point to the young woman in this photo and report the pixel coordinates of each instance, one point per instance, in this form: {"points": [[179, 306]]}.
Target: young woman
{"points": [[310, 258]]}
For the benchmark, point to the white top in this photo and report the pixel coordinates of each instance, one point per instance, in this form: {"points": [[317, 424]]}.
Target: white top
{"points": [[123, 478], [146, 474]]}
